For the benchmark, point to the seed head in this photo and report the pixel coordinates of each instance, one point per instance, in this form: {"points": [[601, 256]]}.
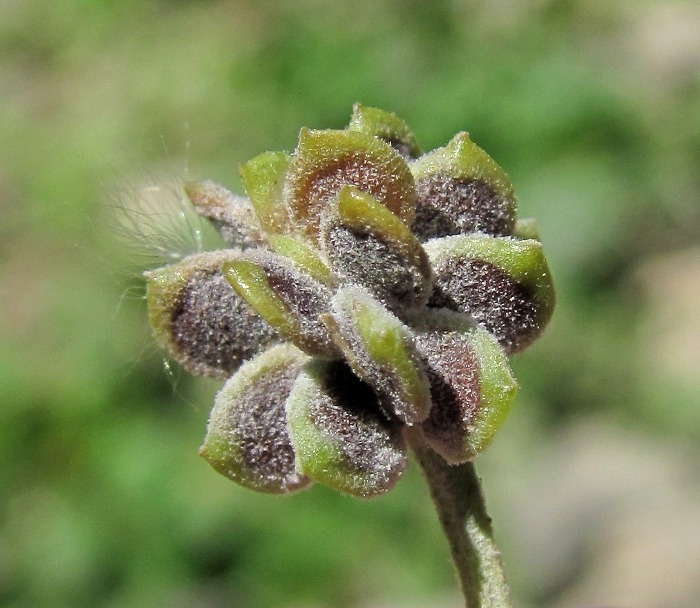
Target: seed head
{"points": [[368, 288]]}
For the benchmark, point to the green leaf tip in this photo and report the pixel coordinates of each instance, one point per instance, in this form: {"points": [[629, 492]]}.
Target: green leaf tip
{"points": [[263, 180], [304, 256], [386, 126]]}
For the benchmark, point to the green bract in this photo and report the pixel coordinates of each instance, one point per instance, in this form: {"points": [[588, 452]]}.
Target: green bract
{"points": [[397, 282]]}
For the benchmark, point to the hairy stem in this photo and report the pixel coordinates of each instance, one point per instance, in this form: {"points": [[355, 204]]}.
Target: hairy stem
{"points": [[456, 492]]}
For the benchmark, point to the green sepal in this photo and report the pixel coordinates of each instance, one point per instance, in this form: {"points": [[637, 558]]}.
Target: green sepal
{"points": [[304, 256], [384, 125], [232, 215], [263, 180], [471, 383], [200, 320], [325, 160], [381, 351], [462, 159], [247, 438], [521, 266], [288, 299], [251, 283], [340, 438]]}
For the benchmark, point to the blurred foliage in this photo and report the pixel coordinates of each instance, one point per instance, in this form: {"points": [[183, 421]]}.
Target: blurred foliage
{"points": [[592, 106]]}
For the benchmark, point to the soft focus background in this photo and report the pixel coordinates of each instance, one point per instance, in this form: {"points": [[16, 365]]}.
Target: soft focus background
{"points": [[593, 108]]}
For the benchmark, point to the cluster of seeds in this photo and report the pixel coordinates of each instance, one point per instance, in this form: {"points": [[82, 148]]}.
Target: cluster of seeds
{"points": [[368, 288]]}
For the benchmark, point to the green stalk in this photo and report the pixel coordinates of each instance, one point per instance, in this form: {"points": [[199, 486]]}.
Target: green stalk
{"points": [[456, 492]]}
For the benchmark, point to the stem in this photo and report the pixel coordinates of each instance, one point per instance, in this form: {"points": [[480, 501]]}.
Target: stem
{"points": [[456, 492]]}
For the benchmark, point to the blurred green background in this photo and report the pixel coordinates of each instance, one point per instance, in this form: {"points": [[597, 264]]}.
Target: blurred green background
{"points": [[593, 108]]}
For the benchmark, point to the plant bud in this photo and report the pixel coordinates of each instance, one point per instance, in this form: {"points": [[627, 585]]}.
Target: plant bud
{"points": [[200, 320], [288, 299], [263, 180], [232, 215], [460, 189], [380, 350], [247, 438], [340, 438], [503, 283], [326, 160], [368, 246], [471, 384], [386, 126]]}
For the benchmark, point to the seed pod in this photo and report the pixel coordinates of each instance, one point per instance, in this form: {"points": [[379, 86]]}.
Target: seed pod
{"points": [[368, 246], [326, 160], [200, 320], [503, 283], [287, 298], [460, 189], [232, 215], [471, 384], [340, 439], [380, 350], [263, 180], [386, 126], [247, 438]]}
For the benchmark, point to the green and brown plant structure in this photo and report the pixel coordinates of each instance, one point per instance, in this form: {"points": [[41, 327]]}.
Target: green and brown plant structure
{"points": [[366, 307]]}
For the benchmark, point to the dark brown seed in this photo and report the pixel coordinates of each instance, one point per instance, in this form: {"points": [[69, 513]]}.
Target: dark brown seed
{"points": [[214, 329], [503, 306], [446, 206]]}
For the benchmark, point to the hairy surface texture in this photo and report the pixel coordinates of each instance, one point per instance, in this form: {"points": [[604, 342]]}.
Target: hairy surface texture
{"points": [[347, 415], [454, 389], [247, 439], [214, 329], [305, 298], [365, 260], [231, 214], [447, 206], [503, 306]]}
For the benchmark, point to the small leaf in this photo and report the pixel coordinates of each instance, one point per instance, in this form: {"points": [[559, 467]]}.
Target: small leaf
{"points": [[368, 246], [460, 189], [200, 320], [472, 387], [503, 283], [263, 180], [326, 160], [339, 437], [386, 126], [232, 215], [380, 350], [247, 438], [288, 299]]}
